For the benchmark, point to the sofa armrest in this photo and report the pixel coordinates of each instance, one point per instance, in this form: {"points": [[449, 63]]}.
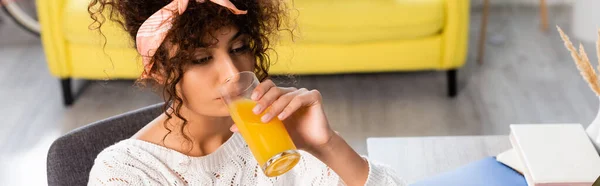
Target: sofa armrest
{"points": [[50, 16], [455, 34]]}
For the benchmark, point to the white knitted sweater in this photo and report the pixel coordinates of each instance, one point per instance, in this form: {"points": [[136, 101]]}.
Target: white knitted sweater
{"points": [[136, 162]]}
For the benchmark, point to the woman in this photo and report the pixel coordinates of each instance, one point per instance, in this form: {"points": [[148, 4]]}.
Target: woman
{"points": [[189, 48]]}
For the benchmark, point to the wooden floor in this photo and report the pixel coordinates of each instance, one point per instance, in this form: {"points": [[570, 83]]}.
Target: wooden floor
{"points": [[527, 77]]}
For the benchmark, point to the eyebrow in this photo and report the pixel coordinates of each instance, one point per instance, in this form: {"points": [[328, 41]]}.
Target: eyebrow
{"points": [[235, 36], [238, 34]]}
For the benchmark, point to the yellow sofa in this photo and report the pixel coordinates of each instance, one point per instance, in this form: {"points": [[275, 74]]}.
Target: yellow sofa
{"points": [[336, 36]]}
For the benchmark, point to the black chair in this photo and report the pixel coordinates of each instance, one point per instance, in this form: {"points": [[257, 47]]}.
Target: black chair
{"points": [[71, 156]]}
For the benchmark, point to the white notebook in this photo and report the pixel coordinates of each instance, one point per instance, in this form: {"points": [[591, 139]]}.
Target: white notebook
{"points": [[556, 154], [511, 159]]}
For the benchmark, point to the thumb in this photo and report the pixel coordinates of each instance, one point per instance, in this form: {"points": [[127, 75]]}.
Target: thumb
{"points": [[234, 128]]}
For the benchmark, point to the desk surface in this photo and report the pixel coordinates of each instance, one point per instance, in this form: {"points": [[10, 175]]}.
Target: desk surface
{"points": [[415, 158]]}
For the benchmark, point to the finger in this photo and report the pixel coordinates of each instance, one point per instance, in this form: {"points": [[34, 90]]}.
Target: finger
{"points": [[266, 100], [269, 98], [308, 98], [234, 128], [261, 89], [277, 107]]}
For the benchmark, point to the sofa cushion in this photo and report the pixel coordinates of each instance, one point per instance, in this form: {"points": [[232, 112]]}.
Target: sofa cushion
{"points": [[76, 22], [353, 21], [319, 21]]}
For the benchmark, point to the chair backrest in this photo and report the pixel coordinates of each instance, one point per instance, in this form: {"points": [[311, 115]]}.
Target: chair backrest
{"points": [[71, 156]]}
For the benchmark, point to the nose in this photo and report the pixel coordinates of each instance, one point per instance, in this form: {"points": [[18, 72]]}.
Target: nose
{"points": [[226, 68]]}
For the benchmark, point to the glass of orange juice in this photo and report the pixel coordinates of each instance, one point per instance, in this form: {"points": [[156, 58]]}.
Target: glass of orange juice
{"points": [[269, 142]]}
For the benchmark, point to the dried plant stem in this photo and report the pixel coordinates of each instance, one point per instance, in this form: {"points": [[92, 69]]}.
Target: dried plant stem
{"points": [[588, 71], [582, 62]]}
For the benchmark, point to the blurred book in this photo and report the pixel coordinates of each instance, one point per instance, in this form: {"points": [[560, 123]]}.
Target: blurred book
{"points": [[485, 172], [555, 154]]}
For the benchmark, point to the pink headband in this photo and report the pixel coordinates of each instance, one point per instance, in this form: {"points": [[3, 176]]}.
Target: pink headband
{"points": [[154, 30]]}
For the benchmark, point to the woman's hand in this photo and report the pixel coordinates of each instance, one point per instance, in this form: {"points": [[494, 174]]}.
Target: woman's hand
{"points": [[300, 110], [302, 113]]}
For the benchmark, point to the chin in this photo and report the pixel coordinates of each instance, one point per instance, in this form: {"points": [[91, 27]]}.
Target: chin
{"points": [[212, 109], [223, 112], [220, 111]]}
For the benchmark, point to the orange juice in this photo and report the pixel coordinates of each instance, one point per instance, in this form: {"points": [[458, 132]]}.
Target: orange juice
{"points": [[270, 142]]}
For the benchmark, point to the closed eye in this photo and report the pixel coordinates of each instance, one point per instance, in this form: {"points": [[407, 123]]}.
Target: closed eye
{"points": [[241, 49], [203, 60]]}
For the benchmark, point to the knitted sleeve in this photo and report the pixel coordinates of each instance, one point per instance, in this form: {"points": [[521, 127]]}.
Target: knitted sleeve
{"points": [[382, 175], [321, 174]]}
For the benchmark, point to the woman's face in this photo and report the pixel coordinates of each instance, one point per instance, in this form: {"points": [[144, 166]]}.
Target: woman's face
{"points": [[212, 66]]}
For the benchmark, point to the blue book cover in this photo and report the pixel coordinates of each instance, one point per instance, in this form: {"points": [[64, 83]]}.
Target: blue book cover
{"points": [[485, 172]]}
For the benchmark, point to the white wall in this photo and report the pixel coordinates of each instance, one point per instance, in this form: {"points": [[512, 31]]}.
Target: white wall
{"points": [[477, 3]]}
